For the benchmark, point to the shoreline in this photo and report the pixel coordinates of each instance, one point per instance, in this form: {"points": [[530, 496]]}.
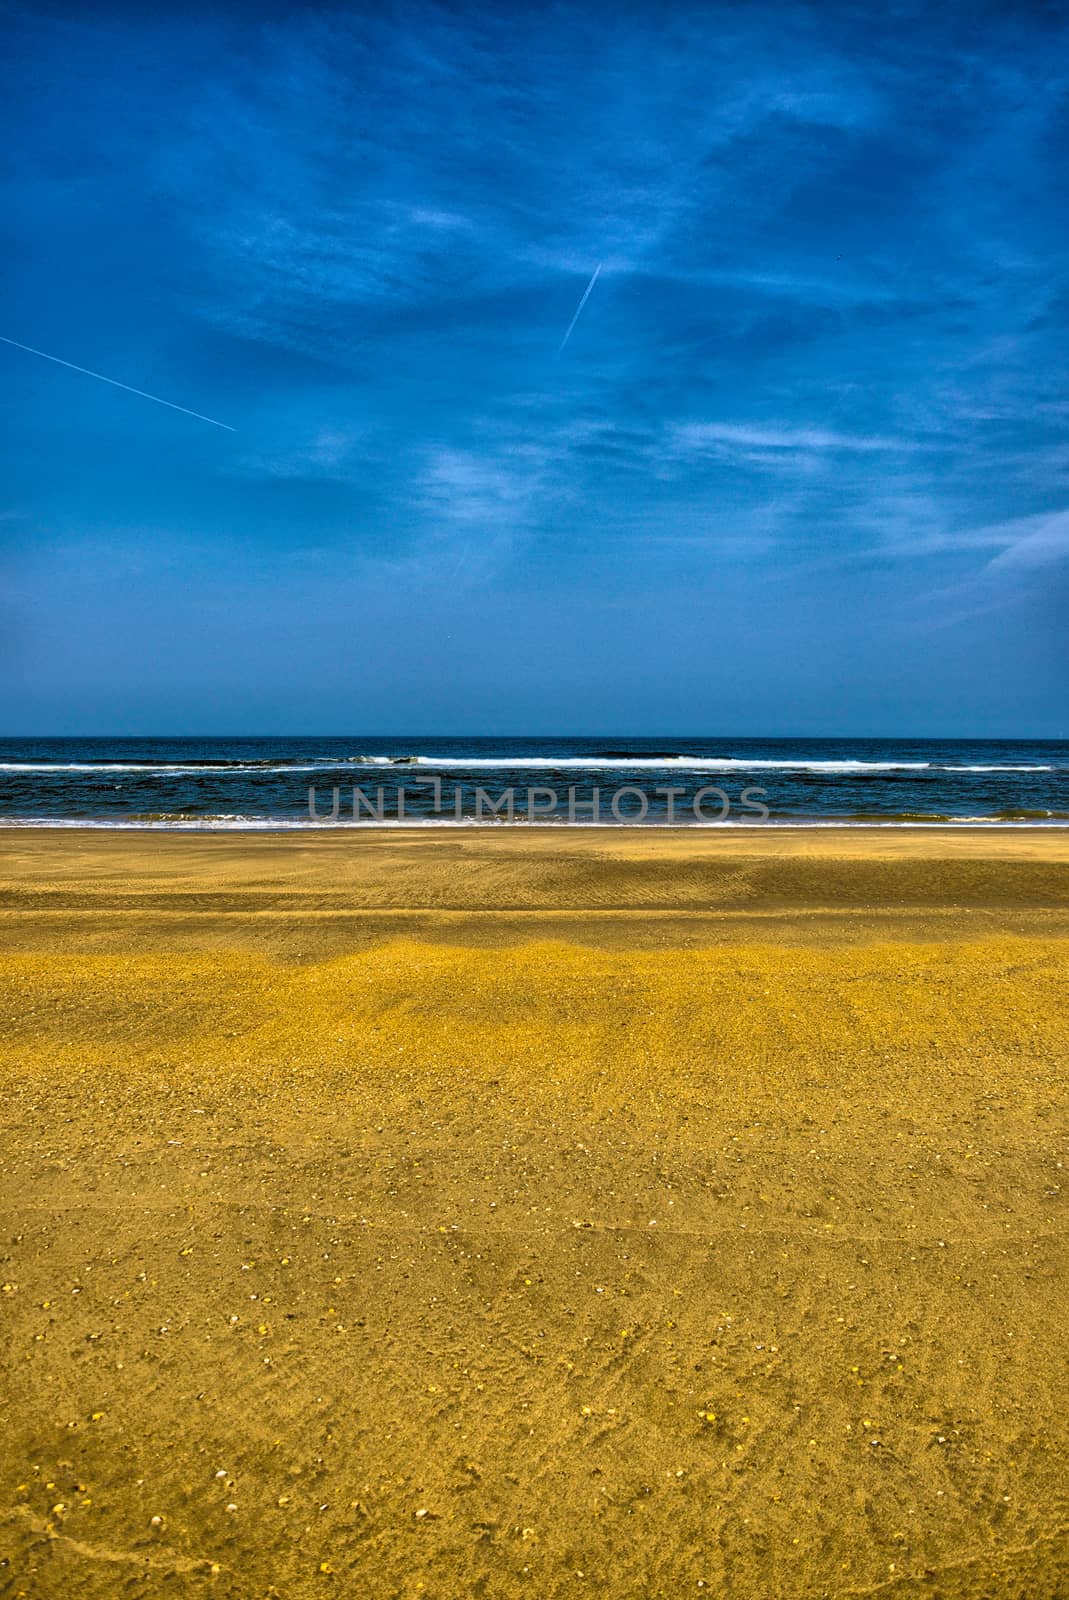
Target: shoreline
{"points": [[266, 825], [412, 824]]}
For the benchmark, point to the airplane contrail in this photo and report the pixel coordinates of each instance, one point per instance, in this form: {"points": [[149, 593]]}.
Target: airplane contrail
{"points": [[579, 307], [116, 384]]}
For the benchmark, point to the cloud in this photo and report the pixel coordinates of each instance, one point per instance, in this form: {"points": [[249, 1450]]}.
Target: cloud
{"points": [[1028, 552], [330, 452], [728, 437], [1023, 544], [1029, 545], [465, 488]]}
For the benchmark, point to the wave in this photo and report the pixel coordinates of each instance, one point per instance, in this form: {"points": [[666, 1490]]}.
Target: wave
{"points": [[657, 763], [152, 766], [541, 763], [641, 764], [174, 768]]}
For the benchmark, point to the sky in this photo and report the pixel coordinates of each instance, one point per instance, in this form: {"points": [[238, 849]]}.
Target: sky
{"points": [[799, 466]]}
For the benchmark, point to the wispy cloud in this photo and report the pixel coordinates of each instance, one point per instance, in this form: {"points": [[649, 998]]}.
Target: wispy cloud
{"points": [[729, 437], [331, 451], [1019, 559], [467, 489], [1031, 543]]}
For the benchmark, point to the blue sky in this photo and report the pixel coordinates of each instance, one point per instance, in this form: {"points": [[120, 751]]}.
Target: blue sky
{"points": [[801, 467]]}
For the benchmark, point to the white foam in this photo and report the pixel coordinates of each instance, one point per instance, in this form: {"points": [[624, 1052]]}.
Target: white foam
{"points": [[149, 768], [640, 764], [540, 763]]}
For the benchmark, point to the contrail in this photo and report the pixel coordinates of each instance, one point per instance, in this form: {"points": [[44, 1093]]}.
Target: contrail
{"points": [[116, 384], [579, 307]]}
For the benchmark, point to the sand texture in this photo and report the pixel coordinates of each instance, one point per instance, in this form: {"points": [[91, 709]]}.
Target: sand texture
{"points": [[534, 1214]]}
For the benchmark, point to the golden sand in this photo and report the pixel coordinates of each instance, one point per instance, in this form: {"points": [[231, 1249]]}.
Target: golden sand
{"points": [[534, 1214]]}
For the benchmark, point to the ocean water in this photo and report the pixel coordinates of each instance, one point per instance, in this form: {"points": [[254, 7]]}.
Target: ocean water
{"points": [[280, 782]]}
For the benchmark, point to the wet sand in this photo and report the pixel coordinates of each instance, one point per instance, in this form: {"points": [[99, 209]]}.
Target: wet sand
{"points": [[528, 1213]]}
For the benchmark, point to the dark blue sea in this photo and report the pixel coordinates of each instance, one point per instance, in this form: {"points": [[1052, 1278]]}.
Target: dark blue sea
{"points": [[338, 782]]}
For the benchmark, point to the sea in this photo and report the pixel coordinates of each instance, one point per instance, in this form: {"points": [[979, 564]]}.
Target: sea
{"points": [[358, 781]]}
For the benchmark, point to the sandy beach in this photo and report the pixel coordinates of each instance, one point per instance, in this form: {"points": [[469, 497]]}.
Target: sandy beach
{"points": [[530, 1212]]}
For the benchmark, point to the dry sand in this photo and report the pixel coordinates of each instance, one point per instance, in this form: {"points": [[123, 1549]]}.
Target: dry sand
{"points": [[528, 1213]]}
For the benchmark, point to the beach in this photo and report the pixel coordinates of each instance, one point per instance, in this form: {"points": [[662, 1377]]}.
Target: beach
{"points": [[535, 1211]]}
